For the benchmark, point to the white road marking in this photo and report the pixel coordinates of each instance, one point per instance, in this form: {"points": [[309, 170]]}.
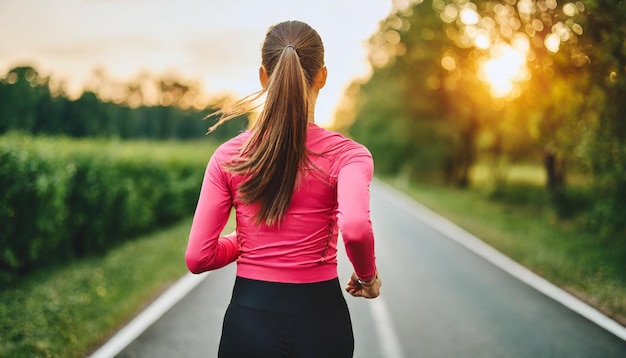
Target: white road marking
{"points": [[389, 344], [147, 317], [490, 254]]}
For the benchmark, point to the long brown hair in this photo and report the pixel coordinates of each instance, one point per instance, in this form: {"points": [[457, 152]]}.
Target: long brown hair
{"points": [[292, 55]]}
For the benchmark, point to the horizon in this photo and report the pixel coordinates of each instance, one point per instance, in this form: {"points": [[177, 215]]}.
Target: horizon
{"points": [[70, 40]]}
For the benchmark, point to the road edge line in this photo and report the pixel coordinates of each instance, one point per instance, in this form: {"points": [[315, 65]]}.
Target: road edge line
{"points": [[479, 247], [149, 316], [389, 343]]}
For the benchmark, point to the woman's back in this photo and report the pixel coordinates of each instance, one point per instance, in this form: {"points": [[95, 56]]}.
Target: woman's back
{"points": [[303, 246]]}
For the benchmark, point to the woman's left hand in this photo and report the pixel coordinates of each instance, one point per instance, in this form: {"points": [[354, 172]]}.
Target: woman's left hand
{"points": [[357, 288]]}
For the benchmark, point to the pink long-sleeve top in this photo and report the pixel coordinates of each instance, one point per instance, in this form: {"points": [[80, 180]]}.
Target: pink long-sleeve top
{"points": [[332, 195]]}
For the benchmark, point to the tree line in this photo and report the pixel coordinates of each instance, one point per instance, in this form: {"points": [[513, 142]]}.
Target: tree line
{"points": [[501, 81], [147, 107]]}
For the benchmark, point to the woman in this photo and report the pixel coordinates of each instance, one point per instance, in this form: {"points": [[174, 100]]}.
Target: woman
{"points": [[294, 186]]}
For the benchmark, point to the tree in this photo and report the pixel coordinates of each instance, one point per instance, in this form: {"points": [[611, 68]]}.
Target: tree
{"points": [[408, 112], [605, 28], [20, 96]]}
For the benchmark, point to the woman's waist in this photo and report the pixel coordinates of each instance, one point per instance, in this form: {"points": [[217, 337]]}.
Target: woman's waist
{"points": [[287, 272], [289, 298]]}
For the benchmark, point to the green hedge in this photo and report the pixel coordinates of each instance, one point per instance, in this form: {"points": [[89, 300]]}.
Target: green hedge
{"points": [[62, 199]]}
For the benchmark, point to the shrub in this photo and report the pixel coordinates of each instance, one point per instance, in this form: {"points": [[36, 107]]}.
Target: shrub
{"points": [[33, 211], [62, 199]]}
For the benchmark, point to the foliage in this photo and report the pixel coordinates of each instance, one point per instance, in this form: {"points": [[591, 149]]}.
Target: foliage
{"points": [[606, 30], [63, 199], [401, 113], [504, 81]]}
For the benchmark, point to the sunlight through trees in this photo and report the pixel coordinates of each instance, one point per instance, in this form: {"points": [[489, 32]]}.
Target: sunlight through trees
{"points": [[502, 81]]}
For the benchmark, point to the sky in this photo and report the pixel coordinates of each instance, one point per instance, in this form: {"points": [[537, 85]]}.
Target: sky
{"points": [[214, 42]]}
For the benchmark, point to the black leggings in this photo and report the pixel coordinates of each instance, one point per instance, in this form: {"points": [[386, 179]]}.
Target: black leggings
{"points": [[270, 319]]}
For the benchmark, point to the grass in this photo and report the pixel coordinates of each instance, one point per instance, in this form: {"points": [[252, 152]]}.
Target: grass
{"points": [[69, 311], [520, 223]]}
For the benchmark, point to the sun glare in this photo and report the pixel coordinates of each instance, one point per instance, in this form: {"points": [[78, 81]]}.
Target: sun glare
{"points": [[482, 40], [469, 16], [504, 71], [502, 52]]}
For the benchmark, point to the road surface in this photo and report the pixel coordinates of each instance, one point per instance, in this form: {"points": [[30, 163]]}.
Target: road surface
{"points": [[441, 297]]}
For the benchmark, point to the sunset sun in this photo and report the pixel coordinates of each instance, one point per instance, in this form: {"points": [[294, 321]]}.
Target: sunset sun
{"points": [[504, 70]]}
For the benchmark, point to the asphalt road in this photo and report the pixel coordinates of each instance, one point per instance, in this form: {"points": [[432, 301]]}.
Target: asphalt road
{"points": [[439, 299]]}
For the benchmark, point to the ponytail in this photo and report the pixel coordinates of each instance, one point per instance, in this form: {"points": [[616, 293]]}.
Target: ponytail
{"points": [[277, 145], [292, 56]]}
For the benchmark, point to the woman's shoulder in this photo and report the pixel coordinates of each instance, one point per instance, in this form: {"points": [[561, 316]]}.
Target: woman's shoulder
{"points": [[338, 143]]}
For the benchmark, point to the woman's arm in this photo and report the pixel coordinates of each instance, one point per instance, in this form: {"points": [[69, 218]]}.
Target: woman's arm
{"points": [[206, 250], [353, 198]]}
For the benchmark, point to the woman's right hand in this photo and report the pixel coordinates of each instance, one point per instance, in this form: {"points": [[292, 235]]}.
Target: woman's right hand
{"points": [[358, 288]]}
